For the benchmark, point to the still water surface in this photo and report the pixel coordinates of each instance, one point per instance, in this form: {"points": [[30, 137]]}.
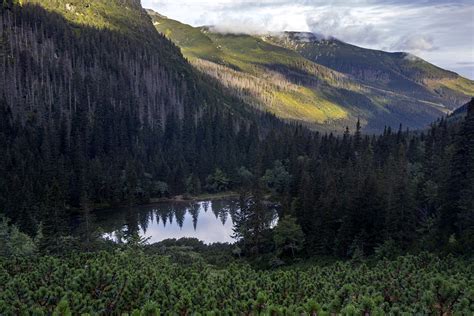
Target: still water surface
{"points": [[209, 221]]}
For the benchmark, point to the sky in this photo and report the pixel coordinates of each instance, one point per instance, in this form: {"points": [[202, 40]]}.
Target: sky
{"points": [[439, 31]]}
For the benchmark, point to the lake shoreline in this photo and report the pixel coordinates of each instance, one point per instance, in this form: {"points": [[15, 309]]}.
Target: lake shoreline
{"points": [[182, 198], [196, 198]]}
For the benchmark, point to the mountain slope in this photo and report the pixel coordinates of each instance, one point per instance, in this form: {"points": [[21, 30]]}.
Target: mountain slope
{"points": [[191, 40], [122, 16], [262, 74], [398, 72], [92, 112], [77, 42], [278, 74]]}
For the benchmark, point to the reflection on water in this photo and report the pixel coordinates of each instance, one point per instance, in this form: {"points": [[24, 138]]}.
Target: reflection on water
{"points": [[208, 221]]}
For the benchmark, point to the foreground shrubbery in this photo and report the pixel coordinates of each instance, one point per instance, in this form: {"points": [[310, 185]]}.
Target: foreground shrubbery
{"points": [[132, 282]]}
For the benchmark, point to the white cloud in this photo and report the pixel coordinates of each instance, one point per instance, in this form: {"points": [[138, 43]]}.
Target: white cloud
{"points": [[416, 43], [441, 31], [344, 24]]}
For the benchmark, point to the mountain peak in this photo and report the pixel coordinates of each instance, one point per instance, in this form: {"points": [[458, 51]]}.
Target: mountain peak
{"points": [[304, 37], [153, 13]]}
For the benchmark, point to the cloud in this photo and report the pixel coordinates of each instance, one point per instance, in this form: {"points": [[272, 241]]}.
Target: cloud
{"points": [[248, 25], [411, 57], [343, 24], [415, 43]]}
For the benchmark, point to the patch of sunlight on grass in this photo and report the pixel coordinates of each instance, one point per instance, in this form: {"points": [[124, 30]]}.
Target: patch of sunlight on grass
{"points": [[193, 42], [306, 105], [460, 84], [100, 14]]}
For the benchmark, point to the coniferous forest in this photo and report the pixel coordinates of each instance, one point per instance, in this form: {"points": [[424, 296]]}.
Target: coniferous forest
{"points": [[94, 117]]}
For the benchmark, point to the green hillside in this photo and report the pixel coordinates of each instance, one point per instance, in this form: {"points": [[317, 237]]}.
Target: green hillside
{"points": [[125, 16], [326, 84], [263, 74], [193, 42], [398, 72]]}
